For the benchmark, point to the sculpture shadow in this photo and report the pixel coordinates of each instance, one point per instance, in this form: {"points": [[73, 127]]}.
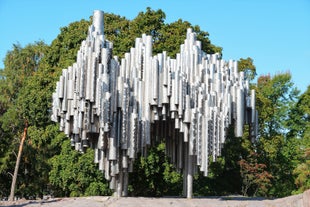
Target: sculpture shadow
{"points": [[34, 202]]}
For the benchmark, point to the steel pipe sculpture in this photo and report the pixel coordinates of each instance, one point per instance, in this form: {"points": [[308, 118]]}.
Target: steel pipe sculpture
{"points": [[120, 109]]}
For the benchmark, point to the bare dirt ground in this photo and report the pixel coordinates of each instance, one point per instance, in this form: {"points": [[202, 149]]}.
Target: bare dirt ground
{"points": [[301, 200]]}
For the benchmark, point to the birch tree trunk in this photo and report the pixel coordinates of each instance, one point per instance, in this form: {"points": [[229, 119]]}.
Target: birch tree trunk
{"points": [[13, 185]]}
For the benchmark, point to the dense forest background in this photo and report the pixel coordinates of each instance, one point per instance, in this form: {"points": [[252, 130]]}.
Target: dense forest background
{"points": [[277, 164]]}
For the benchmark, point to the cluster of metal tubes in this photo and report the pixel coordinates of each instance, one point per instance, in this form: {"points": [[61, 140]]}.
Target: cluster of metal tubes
{"points": [[120, 109]]}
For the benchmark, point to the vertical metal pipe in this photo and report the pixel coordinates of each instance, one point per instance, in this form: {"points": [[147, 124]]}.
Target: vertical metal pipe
{"points": [[189, 192], [98, 21]]}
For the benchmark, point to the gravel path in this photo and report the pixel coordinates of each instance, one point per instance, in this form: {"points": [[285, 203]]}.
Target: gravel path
{"points": [[301, 200]]}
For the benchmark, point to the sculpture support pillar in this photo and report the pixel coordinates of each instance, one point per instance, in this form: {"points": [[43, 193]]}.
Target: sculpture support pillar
{"points": [[125, 186], [185, 169], [189, 190], [187, 173], [119, 185]]}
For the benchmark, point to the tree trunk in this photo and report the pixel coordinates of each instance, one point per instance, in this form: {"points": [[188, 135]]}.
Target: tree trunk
{"points": [[13, 185]]}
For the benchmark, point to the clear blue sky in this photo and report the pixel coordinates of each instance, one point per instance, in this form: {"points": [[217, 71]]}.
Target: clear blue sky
{"points": [[275, 33]]}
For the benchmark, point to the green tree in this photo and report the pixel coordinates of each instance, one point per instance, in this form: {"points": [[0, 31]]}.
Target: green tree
{"points": [[248, 67], [154, 175], [299, 122], [41, 144], [63, 50], [276, 97], [73, 174], [173, 35], [166, 37], [302, 173], [149, 22], [116, 30], [20, 64], [224, 176], [299, 125]]}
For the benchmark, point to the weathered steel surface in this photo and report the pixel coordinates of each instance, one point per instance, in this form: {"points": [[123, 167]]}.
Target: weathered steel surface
{"points": [[121, 108]]}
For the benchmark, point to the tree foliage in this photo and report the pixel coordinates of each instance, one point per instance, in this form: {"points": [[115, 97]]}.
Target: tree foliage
{"points": [[166, 37], [73, 174], [299, 116], [275, 98], [20, 64], [154, 175], [63, 50], [300, 128], [302, 173], [248, 67], [254, 176]]}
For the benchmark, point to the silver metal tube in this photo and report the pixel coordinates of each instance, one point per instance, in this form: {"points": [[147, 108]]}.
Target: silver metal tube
{"points": [[98, 21]]}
